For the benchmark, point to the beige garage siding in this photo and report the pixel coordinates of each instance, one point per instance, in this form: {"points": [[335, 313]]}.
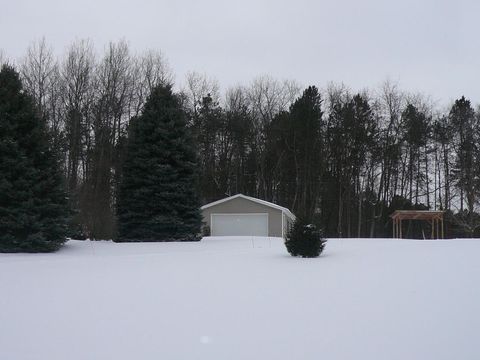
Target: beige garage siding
{"points": [[243, 206]]}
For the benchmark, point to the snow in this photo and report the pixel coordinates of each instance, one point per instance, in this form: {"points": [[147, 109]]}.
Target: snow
{"points": [[242, 298]]}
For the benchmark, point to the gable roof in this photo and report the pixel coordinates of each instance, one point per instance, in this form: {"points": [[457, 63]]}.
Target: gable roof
{"points": [[258, 201]]}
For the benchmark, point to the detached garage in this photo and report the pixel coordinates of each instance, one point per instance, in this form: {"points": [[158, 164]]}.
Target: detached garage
{"points": [[242, 215]]}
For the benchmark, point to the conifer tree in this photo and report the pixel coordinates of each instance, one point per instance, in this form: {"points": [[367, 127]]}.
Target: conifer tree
{"points": [[306, 116], [304, 240], [465, 172], [33, 210], [157, 199]]}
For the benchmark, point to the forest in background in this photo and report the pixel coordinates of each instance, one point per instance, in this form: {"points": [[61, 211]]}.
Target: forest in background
{"points": [[344, 160]]}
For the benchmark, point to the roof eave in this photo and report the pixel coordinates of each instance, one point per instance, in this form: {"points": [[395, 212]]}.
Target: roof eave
{"points": [[284, 210]]}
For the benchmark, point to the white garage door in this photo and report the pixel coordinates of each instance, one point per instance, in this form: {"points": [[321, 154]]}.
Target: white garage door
{"points": [[239, 224]]}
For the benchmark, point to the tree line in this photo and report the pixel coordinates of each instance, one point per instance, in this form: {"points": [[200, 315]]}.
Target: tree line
{"points": [[344, 160]]}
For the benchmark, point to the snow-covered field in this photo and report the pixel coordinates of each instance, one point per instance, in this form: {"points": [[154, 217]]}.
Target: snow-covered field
{"points": [[242, 298]]}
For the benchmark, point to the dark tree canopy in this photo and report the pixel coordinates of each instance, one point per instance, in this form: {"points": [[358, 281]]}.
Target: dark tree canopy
{"points": [[342, 160], [158, 199], [303, 142], [33, 211]]}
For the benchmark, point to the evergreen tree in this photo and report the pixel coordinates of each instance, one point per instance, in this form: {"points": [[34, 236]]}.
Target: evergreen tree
{"points": [[303, 239], [303, 142], [465, 173], [416, 133], [33, 210], [206, 126], [157, 198], [350, 134]]}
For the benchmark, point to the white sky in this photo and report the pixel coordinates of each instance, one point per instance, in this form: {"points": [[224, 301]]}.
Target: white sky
{"points": [[425, 45]]}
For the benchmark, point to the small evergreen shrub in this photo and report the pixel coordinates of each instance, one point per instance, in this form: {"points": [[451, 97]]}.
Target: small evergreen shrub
{"points": [[303, 239]]}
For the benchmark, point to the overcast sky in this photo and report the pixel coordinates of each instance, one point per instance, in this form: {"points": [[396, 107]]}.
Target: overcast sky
{"points": [[431, 46]]}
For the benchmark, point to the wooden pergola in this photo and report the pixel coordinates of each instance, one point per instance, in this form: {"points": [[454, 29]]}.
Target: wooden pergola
{"points": [[433, 217]]}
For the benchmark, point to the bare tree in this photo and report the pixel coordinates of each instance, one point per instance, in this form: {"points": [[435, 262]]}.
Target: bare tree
{"points": [[390, 101], [197, 87], [336, 93], [77, 76], [236, 98], [269, 96], [41, 78], [110, 114], [38, 72], [155, 69], [150, 69]]}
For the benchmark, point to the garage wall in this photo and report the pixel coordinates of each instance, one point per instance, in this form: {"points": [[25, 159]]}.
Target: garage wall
{"points": [[240, 205]]}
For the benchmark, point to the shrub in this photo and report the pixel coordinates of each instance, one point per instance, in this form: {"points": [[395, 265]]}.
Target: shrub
{"points": [[303, 239]]}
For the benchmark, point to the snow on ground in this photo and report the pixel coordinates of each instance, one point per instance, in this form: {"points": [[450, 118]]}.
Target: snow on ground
{"points": [[242, 298]]}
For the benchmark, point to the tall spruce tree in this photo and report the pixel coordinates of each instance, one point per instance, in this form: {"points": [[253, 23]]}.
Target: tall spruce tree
{"points": [[465, 173], [305, 144], [416, 132], [33, 210], [157, 198]]}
